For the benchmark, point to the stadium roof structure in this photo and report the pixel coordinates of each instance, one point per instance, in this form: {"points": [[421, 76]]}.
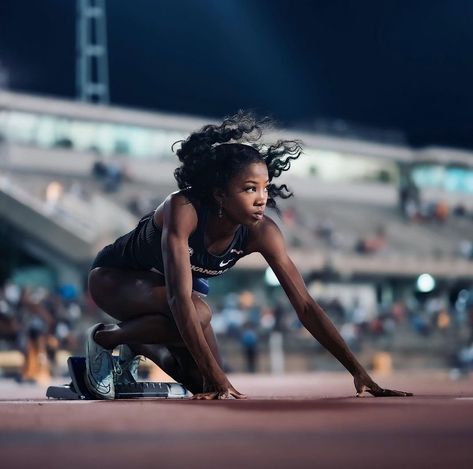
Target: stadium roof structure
{"points": [[55, 137], [183, 124]]}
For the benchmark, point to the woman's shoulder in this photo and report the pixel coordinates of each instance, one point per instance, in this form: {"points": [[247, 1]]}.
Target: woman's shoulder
{"points": [[179, 205], [179, 199], [262, 233]]}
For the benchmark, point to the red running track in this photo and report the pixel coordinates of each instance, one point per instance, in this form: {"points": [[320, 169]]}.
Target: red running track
{"points": [[290, 421]]}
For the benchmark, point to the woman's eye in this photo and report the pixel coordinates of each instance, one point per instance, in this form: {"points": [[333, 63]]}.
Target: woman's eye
{"points": [[253, 189]]}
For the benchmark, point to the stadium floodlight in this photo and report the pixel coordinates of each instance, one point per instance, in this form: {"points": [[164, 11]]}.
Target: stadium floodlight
{"points": [[270, 278], [425, 283], [92, 52]]}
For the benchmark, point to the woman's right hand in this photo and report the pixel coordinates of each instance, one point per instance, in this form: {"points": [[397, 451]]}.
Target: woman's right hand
{"points": [[223, 390], [363, 383]]}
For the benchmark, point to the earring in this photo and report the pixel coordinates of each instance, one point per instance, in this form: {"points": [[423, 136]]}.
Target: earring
{"points": [[220, 210]]}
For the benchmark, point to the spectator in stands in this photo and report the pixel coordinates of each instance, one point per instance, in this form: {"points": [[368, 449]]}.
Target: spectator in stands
{"points": [[398, 311], [336, 309], [326, 231], [460, 210], [443, 320], [441, 211], [233, 316], [409, 198], [9, 326], [36, 323], [54, 193], [249, 342], [372, 244], [111, 174], [360, 316], [289, 216], [421, 324]]}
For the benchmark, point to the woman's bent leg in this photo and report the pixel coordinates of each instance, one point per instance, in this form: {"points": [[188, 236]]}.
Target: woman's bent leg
{"points": [[138, 299], [148, 329]]}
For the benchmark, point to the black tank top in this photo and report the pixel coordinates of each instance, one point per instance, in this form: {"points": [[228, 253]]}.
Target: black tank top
{"points": [[141, 248]]}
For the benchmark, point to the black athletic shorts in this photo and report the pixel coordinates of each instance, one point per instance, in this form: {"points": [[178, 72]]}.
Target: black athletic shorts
{"points": [[108, 257]]}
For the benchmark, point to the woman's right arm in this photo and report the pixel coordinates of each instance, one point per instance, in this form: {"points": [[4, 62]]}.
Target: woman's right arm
{"points": [[180, 219]]}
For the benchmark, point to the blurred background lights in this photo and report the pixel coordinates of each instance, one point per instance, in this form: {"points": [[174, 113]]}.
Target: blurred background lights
{"points": [[425, 283], [270, 278]]}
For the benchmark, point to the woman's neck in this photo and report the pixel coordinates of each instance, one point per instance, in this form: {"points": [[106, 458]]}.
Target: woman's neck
{"points": [[219, 228]]}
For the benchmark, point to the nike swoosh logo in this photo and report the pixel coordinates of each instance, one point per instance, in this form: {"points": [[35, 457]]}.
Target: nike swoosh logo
{"points": [[223, 264], [99, 386], [96, 384]]}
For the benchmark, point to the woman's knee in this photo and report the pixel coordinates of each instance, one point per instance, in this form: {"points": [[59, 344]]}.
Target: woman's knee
{"points": [[203, 310], [96, 285], [102, 286]]}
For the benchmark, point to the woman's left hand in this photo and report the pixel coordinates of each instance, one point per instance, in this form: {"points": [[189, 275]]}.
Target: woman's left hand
{"points": [[225, 391], [363, 383]]}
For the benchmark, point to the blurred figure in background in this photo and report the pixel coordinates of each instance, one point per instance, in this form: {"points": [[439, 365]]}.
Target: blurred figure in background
{"points": [[36, 326], [38, 323], [249, 342]]}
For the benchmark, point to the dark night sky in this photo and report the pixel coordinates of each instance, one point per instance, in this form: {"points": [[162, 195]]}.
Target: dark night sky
{"points": [[388, 64]]}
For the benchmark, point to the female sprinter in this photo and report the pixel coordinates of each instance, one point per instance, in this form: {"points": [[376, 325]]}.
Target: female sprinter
{"points": [[152, 279]]}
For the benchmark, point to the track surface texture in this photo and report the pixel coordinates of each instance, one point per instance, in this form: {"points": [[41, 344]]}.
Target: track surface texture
{"points": [[290, 421]]}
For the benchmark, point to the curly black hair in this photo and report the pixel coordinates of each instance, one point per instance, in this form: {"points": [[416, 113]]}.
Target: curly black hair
{"points": [[211, 156]]}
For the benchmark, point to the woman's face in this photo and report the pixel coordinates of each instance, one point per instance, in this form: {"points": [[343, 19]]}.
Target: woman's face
{"points": [[245, 198]]}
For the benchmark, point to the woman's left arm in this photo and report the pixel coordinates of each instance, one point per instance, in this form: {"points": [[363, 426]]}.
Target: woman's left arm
{"points": [[270, 244]]}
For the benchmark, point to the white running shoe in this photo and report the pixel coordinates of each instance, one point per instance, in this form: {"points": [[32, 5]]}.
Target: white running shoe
{"points": [[126, 366], [99, 367]]}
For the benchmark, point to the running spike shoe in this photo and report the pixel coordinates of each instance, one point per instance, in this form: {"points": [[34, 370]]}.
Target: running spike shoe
{"points": [[99, 367]]}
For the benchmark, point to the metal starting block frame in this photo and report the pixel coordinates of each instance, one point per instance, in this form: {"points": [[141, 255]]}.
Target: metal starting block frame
{"points": [[77, 389]]}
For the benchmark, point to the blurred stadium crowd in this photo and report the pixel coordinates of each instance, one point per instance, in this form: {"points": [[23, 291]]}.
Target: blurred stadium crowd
{"points": [[46, 326], [367, 222]]}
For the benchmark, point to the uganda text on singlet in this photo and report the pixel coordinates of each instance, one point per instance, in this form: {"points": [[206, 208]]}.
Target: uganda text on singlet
{"points": [[140, 249]]}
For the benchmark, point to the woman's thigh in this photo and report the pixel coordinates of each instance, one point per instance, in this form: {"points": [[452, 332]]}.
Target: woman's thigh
{"points": [[128, 294]]}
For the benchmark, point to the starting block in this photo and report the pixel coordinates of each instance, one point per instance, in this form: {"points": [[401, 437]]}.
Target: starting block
{"points": [[77, 389]]}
